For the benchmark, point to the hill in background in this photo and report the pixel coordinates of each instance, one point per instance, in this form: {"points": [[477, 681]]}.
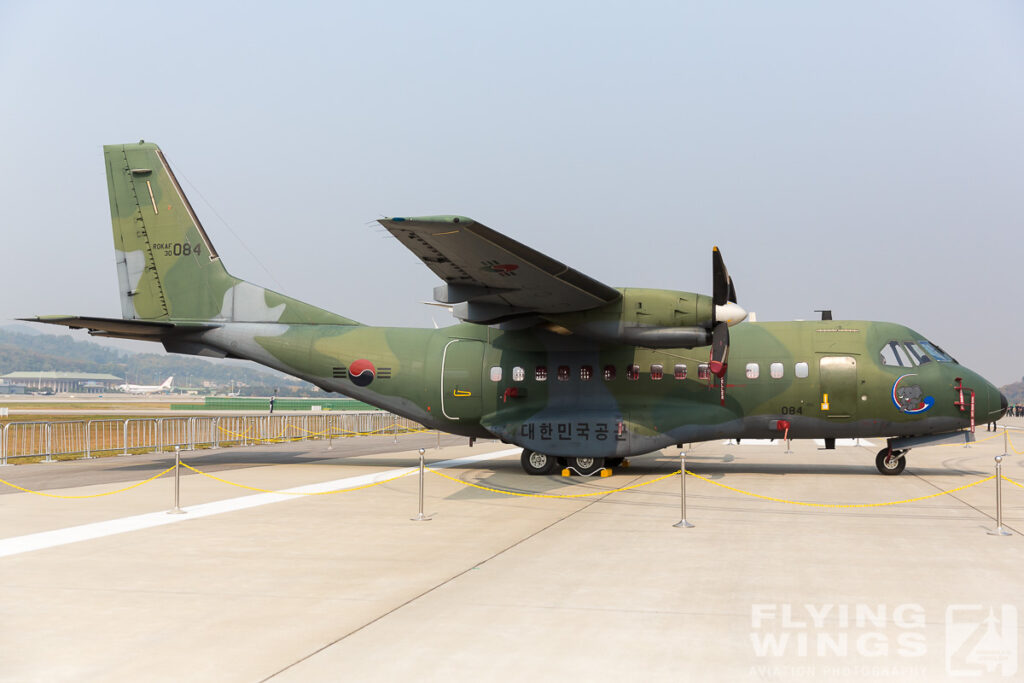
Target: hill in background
{"points": [[32, 352]]}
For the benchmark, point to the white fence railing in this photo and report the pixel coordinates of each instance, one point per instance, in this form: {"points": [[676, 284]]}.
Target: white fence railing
{"points": [[89, 438]]}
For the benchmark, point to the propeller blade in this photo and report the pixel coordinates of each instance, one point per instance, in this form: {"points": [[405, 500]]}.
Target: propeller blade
{"points": [[719, 349], [732, 291], [719, 278]]}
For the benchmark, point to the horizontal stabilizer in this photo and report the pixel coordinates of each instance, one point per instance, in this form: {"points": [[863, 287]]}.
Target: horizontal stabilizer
{"points": [[145, 330]]}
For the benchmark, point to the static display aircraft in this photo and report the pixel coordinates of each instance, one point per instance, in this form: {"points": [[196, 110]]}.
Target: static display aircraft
{"points": [[575, 372], [146, 388]]}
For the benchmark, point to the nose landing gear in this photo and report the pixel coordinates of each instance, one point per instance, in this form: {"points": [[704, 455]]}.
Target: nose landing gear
{"points": [[890, 461]]}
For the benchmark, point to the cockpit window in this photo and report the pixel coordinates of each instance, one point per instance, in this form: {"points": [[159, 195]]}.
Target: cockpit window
{"points": [[920, 357], [895, 355], [935, 352]]}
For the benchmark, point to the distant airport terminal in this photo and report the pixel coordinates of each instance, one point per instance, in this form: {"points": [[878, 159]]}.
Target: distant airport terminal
{"points": [[76, 382]]}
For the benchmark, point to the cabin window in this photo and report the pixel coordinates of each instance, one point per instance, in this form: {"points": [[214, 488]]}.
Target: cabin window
{"points": [[657, 372], [703, 371], [586, 372], [518, 374], [609, 373], [542, 373], [753, 370], [893, 354], [680, 371], [801, 370], [776, 370], [496, 374], [632, 372], [563, 373]]}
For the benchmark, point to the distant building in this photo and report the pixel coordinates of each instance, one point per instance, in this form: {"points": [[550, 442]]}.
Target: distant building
{"points": [[12, 389], [77, 382]]}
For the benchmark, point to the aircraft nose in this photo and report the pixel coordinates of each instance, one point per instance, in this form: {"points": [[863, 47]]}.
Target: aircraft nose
{"points": [[1004, 405]]}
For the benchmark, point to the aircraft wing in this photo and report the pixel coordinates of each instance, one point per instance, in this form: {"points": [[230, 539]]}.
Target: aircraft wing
{"points": [[490, 277]]}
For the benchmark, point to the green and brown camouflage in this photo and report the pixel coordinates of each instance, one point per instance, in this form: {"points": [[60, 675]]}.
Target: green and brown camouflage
{"points": [[572, 370]]}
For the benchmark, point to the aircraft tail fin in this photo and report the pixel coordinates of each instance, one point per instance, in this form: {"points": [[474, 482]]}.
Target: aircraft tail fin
{"points": [[167, 382], [168, 270]]}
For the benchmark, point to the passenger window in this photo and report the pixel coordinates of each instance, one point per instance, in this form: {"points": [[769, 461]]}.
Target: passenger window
{"points": [[917, 352], [586, 372], [801, 370], [753, 370], [542, 373], [563, 373], [657, 372], [680, 372], [633, 372], [609, 373], [496, 374], [518, 374], [893, 354], [703, 371], [776, 370]]}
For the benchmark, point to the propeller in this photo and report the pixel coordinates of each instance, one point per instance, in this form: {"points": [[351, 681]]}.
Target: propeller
{"points": [[726, 312]]}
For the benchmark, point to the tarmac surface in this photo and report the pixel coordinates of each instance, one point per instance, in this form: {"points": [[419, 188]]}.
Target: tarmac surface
{"points": [[251, 586]]}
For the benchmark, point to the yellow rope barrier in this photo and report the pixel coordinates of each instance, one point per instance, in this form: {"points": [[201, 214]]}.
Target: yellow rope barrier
{"points": [[295, 493], [550, 495], [710, 481], [94, 495], [1015, 483], [840, 505]]}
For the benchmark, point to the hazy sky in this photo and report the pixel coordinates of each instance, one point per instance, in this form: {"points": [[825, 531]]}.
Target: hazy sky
{"points": [[862, 156]]}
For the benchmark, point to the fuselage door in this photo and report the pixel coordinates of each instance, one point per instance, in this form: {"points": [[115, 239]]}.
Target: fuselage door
{"points": [[838, 386], [461, 379]]}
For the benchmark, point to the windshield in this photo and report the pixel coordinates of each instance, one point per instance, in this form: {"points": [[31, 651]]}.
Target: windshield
{"points": [[935, 352]]}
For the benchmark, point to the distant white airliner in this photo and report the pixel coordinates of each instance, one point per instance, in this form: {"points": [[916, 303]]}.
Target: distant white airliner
{"points": [[147, 388]]}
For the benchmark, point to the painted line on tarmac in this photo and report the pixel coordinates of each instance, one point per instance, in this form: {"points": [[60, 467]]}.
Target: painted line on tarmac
{"points": [[50, 539]]}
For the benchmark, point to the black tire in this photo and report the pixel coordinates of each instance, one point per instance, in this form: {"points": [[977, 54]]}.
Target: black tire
{"points": [[537, 463], [587, 466], [613, 462], [890, 462]]}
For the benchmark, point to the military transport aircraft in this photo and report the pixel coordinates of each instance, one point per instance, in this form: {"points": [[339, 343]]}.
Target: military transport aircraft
{"points": [[575, 372]]}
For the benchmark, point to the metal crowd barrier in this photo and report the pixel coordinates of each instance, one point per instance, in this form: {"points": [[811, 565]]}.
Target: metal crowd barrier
{"points": [[87, 438]]}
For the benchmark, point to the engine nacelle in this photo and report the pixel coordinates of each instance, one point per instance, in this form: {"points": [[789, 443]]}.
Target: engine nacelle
{"points": [[655, 318]]}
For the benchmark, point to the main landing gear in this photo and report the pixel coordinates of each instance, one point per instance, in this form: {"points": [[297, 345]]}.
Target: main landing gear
{"points": [[889, 461], [540, 464]]}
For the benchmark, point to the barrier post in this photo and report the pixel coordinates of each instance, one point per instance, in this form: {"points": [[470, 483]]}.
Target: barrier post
{"points": [[88, 428], [3, 445], [438, 432], [394, 427], [177, 483], [49, 443], [682, 523], [421, 517], [125, 437], [999, 530]]}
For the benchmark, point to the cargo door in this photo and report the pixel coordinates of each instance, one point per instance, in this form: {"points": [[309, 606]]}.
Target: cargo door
{"points": [[461, 379], [838, 386]]}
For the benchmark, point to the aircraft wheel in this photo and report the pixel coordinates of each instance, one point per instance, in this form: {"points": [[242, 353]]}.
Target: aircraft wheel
{"points": [[613, 462], [537, 463], [890, 462], [586, 466]]}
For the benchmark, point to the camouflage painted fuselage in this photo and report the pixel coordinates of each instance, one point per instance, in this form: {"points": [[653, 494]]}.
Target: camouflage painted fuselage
{"points": [[447, 380]]}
